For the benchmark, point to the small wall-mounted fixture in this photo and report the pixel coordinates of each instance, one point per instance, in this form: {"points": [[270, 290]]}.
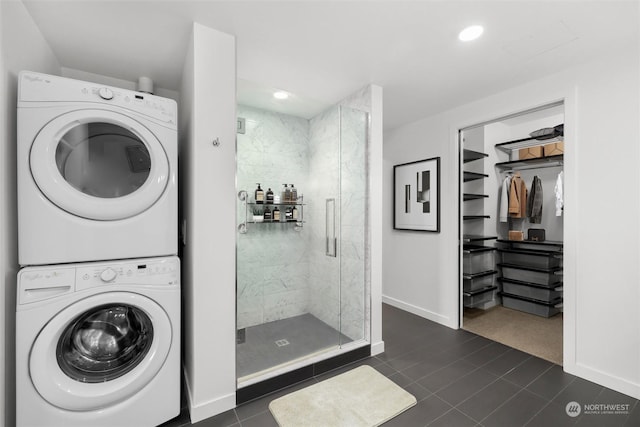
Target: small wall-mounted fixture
{"points": [[241, 125]]}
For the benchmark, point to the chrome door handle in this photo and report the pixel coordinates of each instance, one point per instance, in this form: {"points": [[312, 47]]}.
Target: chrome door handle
{"points": [[331, 242]]}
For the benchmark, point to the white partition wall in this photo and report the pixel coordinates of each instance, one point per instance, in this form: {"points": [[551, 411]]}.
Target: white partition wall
{"points": [[208, 219]]}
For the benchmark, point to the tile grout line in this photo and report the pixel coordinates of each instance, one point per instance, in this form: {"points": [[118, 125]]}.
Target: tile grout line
{"points": [[466, 375], [558, 393], [475, 394], [453, 408], [536, 414], [530, 382], [235, 412]]}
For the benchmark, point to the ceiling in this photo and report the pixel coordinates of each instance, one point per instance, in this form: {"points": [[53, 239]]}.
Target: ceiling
{"points": [[323, 51]]}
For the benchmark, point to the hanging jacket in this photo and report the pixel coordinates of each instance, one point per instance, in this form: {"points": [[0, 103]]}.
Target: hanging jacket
{"points": [[517, 197], [504, 199], [534, 207], [559, 190]]}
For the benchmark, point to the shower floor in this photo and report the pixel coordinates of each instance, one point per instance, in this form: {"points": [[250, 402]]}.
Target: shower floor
{"points": [[282, 341]]}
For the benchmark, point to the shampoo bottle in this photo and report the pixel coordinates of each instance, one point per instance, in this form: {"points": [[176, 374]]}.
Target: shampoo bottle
{"points": [[294, 194], [269, 196], [286, 194], [259, 195]]}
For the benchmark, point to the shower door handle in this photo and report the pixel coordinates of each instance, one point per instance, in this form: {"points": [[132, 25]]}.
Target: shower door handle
{"points": [[331, 242]]}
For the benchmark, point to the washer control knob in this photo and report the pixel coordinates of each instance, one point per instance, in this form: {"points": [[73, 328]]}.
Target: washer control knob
{"points": [[108, 275], [105, 93]]}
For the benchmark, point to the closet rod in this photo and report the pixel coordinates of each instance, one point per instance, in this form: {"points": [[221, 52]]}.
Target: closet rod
{"points": [[521, 168]]}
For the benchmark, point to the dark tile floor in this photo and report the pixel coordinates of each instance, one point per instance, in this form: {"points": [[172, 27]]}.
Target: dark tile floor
{"points": [[460, 379]]}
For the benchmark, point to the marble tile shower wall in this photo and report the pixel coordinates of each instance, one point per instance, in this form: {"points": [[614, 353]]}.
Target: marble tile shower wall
{"points": [[273, 264]]}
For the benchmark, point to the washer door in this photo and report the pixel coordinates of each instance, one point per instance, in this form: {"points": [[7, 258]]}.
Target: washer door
{"points": [[100, 351], [99, 164]]}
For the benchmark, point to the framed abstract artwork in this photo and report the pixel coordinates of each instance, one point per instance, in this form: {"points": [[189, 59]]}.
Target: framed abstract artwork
{"points": [[416, 195]]}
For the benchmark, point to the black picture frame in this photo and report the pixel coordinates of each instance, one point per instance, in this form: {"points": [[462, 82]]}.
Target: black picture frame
{"points": [[415, 206]]}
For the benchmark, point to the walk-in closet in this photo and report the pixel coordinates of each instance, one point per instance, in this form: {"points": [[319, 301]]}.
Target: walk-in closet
{"points": [[511, 230]]}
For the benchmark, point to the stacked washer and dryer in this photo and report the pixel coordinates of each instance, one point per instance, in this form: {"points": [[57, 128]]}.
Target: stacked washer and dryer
{"points": [[98, 300]]}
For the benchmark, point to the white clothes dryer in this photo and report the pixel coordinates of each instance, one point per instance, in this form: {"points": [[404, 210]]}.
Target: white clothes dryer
{"points": [[98, 344], [97, 172]]}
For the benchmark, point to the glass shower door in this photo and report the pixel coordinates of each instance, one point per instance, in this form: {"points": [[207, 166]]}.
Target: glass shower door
{"points": [[300, 284], [354, 126]]}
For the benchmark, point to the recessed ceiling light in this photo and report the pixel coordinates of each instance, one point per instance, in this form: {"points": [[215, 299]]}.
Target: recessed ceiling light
{"points": [[470, 33], [280, 95]]}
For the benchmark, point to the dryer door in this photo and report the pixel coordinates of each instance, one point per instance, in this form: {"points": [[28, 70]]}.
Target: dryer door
{"points": [[99, 164], [100, 351]]}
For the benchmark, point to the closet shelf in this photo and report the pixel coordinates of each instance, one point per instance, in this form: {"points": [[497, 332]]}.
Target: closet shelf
{"points": [[470, 155], [516, 144], [472, 176], [470, 238], [537, 163], [532, 242], [470, 196], [467, 217]]}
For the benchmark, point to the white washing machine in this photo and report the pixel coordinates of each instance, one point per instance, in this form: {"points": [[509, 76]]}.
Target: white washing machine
{"points": [[98, 344], [97, 172]]}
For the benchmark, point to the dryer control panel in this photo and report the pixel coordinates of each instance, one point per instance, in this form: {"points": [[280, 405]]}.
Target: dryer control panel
{"points": [[42, 88], [41, 283]]}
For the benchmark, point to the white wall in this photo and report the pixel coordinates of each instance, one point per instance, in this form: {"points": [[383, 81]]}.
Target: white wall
{"points": [[31, 53], [602, 206], [207, 185]]}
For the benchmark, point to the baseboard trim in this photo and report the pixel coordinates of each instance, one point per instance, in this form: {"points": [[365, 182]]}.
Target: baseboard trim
{"points": [[377, 348], [618, 384], [211, 408], [419, 311]]}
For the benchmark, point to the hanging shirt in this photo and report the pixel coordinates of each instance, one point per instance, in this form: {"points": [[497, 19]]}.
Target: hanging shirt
{"points": [[517, 197], [504, 199], [534, 209], [559, 190]]}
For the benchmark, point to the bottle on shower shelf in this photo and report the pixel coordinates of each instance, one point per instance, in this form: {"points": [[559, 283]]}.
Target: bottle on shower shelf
{"points": [[294, 214], [269, 197], [286, 194], [267, 214], [294, 194], [276, 214], [259, 195]]}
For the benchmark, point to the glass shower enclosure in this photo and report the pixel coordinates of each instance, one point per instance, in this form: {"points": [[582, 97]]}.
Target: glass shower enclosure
{"points": [[302, 257]]}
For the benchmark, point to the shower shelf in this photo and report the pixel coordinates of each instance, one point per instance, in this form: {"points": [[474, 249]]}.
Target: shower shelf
{"points": [[297, 223], [243, 196], [276, 204]]}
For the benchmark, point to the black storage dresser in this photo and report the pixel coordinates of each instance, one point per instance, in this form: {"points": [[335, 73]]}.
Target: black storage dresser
{"points": [[531, 276]]}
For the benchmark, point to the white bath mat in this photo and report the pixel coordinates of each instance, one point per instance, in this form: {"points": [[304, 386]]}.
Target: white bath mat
{"points": [[361, 397]]}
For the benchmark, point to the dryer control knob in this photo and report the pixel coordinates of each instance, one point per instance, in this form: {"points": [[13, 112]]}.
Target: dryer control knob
{"points": [[108, 275], [105, 93]]}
